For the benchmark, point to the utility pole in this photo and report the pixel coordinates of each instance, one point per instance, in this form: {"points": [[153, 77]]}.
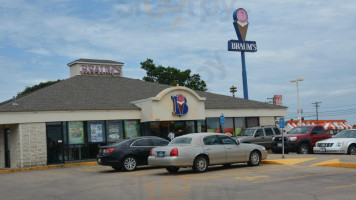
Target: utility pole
{"points": [[316, 104], [233, 89]]}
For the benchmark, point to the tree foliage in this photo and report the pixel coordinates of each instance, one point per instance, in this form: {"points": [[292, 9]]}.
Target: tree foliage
{"points": [[36, 87], [172, 76]]}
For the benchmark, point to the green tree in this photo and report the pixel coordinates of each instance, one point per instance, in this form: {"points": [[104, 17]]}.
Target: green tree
{"points": [[172, 76], [36, 87]]}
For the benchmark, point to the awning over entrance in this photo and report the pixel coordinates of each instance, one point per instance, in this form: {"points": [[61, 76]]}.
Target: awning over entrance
{"points": [[328, 124]]}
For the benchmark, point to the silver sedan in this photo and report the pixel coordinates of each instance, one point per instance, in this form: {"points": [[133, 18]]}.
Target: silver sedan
{"points": [[199, 150]]}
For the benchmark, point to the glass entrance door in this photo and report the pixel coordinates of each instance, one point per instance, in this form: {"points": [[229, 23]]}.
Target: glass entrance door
{"points": [[54, 144], [7, 149]]}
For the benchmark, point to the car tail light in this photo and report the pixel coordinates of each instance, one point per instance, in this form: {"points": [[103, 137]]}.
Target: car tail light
{"points": [[151, 152], [174, 152], [109, 150]]}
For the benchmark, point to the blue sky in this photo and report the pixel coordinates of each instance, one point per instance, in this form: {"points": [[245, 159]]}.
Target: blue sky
{"points": [[313, 39]]}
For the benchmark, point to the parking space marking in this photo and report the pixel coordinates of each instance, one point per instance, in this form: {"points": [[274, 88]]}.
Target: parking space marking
{"points": [[251, 178], [304, 176], [341, 186], [236, 173], [333, 161]]}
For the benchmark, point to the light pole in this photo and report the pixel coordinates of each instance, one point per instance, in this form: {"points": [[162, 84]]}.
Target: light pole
{"points": [[299, 113]]}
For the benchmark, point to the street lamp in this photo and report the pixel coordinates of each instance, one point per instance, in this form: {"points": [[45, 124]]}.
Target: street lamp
{"points": [[300, 114]]}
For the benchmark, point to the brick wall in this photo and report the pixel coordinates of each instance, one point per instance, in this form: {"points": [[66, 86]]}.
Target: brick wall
{"points": [[34, 144]]}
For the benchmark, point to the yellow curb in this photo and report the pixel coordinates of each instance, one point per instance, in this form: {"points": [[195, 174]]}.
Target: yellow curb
{"points": [[343, 165], [287, 161], [47, 167], [328, 162]]}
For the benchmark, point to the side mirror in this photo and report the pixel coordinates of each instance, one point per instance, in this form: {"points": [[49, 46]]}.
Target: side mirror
{"points": [[237, 142]]}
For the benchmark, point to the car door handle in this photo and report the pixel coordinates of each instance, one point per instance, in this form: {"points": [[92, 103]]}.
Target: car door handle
{"points": [[228, 148], [207, 149]]}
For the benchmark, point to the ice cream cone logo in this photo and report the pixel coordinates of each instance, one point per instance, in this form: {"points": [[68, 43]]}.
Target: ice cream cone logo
{"points": [[240, 18], [180, 106]]}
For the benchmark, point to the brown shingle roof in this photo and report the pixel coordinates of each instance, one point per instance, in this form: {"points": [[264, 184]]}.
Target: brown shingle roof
{"points": [[109, 93]]}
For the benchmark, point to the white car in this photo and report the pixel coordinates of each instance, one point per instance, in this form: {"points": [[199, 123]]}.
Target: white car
{"points": [[343, 142], [199, 150]]}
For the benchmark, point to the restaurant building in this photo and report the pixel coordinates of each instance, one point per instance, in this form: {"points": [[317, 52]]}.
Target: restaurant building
{"points": [[97, 105]]}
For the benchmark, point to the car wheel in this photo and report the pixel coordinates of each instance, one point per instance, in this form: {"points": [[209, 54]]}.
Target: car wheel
{"points": [[303, 149], [130, 163], [352, 150], [255, 158], [172, 170], [115, 167], [200, 164]]}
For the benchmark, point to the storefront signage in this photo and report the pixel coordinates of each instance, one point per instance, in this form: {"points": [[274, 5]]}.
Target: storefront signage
{"points": [[100, 69], [131, 129], [76, 132], [241, 24], [278, 100], [96, 132], [236, 45], [180, 106]]}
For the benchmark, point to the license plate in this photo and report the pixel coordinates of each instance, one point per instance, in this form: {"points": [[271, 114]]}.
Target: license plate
{"points": [[160, 153], [279, 144], [99, 160], [322, 149]]}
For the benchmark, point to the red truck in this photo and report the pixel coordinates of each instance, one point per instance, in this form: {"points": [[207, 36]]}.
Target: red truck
{"points": [[300, 139]]}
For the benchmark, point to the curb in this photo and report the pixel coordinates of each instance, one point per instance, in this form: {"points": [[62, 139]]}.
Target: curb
{"points": [[342, 165], [47, 167]]}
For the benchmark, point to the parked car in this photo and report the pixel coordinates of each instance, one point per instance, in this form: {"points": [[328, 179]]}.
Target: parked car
{"points": [[301, 139], [127, 154], [343, 142], [261, 135], [200, 150]]}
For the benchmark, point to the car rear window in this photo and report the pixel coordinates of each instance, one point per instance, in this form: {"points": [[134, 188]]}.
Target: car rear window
{"points": [[181, 140]]}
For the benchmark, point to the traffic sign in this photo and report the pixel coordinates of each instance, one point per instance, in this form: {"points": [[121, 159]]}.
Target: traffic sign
{"points": [[281, 122], [222, 120]]}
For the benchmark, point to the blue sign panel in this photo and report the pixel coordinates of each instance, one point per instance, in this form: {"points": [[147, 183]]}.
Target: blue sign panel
{"points": [[237, 45], [179, 105], [222, 120], [281, 122]]}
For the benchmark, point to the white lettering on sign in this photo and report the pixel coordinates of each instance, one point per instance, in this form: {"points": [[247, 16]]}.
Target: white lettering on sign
{"points": [[100, 69], [244, 46]]}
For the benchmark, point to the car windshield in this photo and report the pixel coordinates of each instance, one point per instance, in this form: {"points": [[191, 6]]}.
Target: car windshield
{"points": [[346, 134], [300, 130], [181, 140], [248, 132]]}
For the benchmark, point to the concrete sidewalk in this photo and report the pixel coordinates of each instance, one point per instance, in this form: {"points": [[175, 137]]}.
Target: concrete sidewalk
{"points": [[2, 171]]}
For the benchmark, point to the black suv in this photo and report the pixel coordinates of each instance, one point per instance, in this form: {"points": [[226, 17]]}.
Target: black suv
{"points": [[261, 135], [127, 154]]}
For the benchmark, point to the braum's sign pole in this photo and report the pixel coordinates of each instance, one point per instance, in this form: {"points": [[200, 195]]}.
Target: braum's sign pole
{"points": [[240, 23]]}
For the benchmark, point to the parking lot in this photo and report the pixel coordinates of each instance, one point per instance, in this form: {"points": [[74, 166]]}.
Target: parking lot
{"points": [[299, 180]]}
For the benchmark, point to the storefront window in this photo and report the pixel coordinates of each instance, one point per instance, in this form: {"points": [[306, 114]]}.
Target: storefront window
{"points": [[229, 125], [201, 126], [131, 128], [96, 131], [179, 128], [239, 125], [189, 127], [76, 132], [213, 125], [114, 130]]}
